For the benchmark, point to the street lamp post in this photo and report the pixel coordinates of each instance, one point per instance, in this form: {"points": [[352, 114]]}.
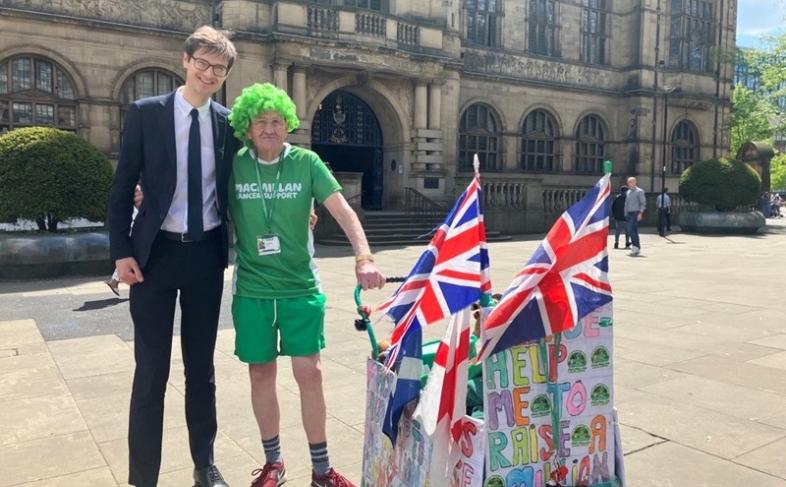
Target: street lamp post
{"points": [[665, 139], [666, 90]]}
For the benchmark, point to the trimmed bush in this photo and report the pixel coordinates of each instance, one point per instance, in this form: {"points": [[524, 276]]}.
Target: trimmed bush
{"points": [[720, 184], [49, 176]]}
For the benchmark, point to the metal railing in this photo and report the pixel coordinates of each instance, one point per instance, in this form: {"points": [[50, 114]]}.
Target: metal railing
{"points": [[416, 203]]}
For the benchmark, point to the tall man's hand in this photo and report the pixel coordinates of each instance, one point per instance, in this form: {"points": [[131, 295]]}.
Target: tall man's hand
{"points": [[369, 277], [128, 271], [138, 196]]}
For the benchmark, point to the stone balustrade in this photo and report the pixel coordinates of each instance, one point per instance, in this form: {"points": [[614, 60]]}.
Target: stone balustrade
{"points": [[370, 24], [337, 22], [322, 21]]}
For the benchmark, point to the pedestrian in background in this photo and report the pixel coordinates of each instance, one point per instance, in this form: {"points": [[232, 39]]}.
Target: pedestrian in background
{"points": [[663, 203], [635, 204], [618, 217]]}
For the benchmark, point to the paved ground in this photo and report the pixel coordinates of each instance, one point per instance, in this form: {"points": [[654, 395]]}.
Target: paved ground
{"points": [[700, 371]]}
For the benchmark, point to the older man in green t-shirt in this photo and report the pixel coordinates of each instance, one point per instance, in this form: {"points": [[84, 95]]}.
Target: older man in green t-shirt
{"points": [[278, 306]]}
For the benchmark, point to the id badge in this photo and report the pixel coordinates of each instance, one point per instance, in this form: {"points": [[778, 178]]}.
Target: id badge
{"points": [[268, 245]]}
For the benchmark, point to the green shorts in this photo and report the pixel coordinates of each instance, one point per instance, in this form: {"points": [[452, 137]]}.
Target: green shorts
{"points": [[267, 328]]}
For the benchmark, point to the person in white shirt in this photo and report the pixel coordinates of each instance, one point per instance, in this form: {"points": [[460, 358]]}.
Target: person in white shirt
{"points": [[663, 203]]}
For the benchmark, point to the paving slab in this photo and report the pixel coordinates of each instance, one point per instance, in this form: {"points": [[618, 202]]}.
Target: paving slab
{"points": [[45, 458], [672, 465]]}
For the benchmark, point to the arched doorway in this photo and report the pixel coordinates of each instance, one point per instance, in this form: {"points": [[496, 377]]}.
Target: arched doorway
{"points": [[346, 135]]}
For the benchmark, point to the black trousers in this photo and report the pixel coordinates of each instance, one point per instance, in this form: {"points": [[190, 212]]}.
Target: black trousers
{"points": [[196, 271], [664, 221]]}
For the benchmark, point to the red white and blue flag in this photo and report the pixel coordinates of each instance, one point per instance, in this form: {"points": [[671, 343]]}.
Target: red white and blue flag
{"points": [[450, 275], [565, 280]]}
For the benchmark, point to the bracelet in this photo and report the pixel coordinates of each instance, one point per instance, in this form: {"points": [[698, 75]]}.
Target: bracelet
{"points": [[364, 257]]}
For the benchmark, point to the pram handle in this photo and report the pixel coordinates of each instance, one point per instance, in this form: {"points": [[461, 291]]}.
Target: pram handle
{"points": [[364, 323]]}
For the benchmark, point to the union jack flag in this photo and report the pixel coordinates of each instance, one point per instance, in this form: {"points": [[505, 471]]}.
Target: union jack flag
{"points": [[565, 279], [450, 275]]}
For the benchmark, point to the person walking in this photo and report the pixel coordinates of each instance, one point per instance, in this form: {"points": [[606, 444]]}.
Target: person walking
{"points": [[663, 204], [635, 204], [618, 217], [179, 147]]}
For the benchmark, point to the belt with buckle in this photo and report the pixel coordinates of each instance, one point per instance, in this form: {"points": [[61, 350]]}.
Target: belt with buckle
{"points": [[186, 238]]}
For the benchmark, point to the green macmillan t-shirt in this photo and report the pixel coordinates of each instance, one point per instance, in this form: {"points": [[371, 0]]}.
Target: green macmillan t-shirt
{"points": [[303, 177]]}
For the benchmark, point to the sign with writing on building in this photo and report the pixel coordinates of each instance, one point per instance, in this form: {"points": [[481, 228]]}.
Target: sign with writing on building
{"points": [[407, 464], [522, 449]]}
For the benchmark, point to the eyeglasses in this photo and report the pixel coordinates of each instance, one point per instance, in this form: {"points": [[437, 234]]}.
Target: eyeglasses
{"points": [[218, 69]]}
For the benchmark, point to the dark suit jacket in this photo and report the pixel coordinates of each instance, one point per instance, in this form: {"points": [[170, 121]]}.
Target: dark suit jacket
{"points": [[149, 156]]}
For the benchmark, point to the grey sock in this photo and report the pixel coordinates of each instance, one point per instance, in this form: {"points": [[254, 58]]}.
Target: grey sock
{"points": [[319, 457], [272, 450]]}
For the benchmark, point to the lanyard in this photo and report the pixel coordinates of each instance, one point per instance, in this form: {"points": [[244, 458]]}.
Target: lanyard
{"points": [[267, 212]]}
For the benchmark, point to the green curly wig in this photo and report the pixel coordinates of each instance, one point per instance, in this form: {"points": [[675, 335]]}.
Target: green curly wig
{"points": [[256, 100]]}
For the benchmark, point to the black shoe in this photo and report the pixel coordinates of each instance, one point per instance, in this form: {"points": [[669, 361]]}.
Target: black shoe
{"points": [[616, 245], [627, 245], [209, 477]]}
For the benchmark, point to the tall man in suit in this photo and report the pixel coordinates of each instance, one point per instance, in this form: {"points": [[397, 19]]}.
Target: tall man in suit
{"points": [[180, 148]]}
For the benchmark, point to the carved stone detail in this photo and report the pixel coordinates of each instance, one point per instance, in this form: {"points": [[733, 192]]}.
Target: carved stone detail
{"points": [[537, 69], [171, 14]]}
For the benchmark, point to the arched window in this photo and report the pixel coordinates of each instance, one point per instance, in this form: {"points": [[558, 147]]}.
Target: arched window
{"points": [[539, 143], [147, 83], [143, 84], [479, 134], [35, 90], [590, 137], [684, 146]]}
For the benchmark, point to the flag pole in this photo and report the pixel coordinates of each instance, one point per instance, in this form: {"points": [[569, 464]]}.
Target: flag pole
{"points": [[485, 298]]}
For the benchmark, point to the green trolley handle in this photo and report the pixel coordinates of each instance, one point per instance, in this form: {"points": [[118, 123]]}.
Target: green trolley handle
{"points": [[364, 323]]}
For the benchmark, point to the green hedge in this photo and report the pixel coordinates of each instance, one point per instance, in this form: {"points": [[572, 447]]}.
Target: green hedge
{"points": [[49, 176], [721, 184]]}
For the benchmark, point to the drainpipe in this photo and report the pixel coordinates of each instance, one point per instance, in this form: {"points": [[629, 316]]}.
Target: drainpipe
{"points": [[655, 98]]}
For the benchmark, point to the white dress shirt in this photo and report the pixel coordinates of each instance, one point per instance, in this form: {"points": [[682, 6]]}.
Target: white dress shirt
{"points": [[177, 218], [663, 201]]}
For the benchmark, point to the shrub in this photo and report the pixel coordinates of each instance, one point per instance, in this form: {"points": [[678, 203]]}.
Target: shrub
{"points": [[721, 184], [49, 176]]}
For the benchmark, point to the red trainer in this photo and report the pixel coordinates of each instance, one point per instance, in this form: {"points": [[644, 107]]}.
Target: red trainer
{"points": [[330, 479], [270, 475]]}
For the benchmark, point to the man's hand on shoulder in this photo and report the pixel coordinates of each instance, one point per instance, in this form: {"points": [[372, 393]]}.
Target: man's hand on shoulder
{"points": [[128, 271], [138, 196]]}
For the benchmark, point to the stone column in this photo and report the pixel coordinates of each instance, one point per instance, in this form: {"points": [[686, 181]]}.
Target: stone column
{"points": [[421, 105], [299, 91], [434, 105], [280, 75]]}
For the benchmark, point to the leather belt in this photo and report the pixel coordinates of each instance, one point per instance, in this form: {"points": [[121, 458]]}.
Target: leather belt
{"points": [[186, 238]]}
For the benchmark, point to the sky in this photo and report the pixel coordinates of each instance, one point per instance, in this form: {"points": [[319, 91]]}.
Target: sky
{"points": [[758, 18]]}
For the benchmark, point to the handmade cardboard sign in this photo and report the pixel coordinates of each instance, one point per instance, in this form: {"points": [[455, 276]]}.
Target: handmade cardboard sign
{"points": [[522, 450], [408, 463]]}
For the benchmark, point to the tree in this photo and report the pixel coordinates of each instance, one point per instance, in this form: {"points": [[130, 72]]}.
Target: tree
{"points": [[778, 172], [720, 183], [751, 117], [49, 176]]}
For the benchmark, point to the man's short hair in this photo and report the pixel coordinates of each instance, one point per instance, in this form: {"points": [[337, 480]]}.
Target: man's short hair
{"points": [[213, 41], [631, 179]]}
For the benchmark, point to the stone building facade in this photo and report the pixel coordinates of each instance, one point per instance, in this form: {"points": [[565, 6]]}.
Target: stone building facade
{"points": [[405, 91]]}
